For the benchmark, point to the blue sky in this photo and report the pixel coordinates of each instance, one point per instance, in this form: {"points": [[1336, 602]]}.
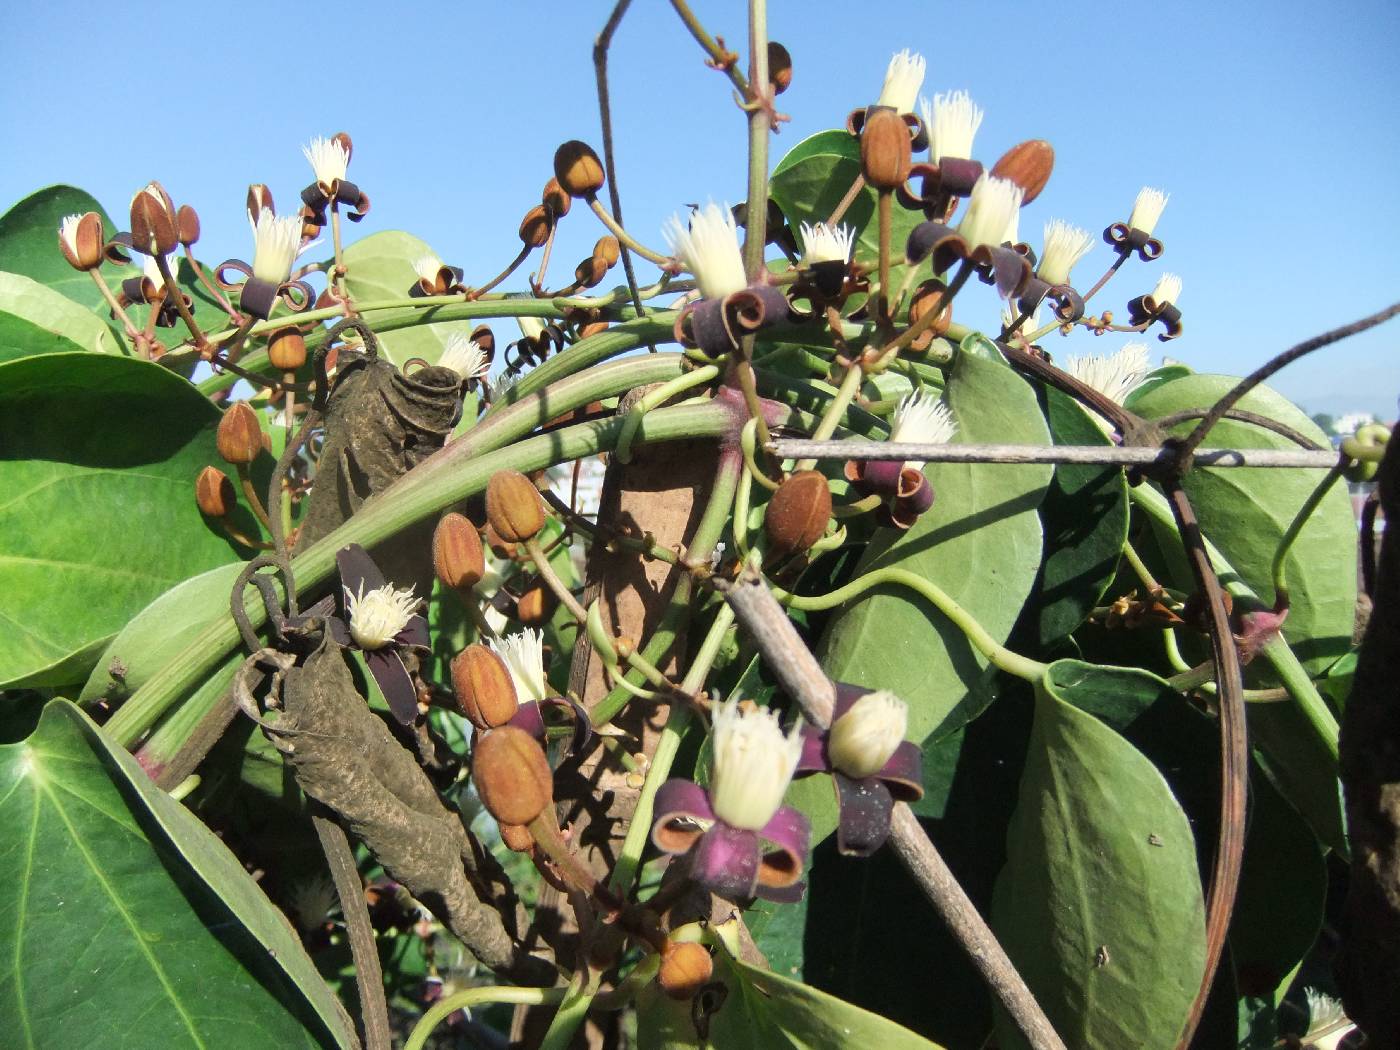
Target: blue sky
{"points": [[1271, 125]]}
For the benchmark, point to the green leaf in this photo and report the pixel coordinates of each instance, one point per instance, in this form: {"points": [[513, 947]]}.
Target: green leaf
{"points": [[98, 457], [1100, 873], [1296, 761], [381, 267], [980, 543], [1245, 513], [38, 320], [29, 244], [128, 921]]}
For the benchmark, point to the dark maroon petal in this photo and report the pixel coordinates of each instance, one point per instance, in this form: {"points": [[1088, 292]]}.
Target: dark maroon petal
{"points": [[925, 238], [813, 758], [792, 835], [415, 632], [846, 696], [681, 814], [394, 683], [347, 192], [882, 476], [957, 175], [709, 329], [782, 894], [356, 568], [865, 807], [725, 861], [257, 297], [1009, 270], [903, 774], [339, 631], [915, 492], [529, 718], [313, 198], [583, 725]]}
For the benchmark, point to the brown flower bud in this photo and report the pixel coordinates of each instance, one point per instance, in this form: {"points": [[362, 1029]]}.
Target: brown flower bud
{"points": [[590, 272], [535, 227], [499, 547], [457, 556], [517, 838], [608, 250], [512, 776], [779, 67], [798, 512], [187, 223], [213, 492], [286, 349], [259, 197], [592, 329], [928, 295], [240, 438], [484, 688], [536, 606], [344, 139], [154, 227], [81, 238], [578, 169], [1028, 165], [513, 508], [555, 199], [686, 967], [484, 338], [885, 149]]}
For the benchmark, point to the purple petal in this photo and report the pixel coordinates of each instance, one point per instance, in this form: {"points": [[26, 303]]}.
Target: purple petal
{"points": [[709, 329], [682, 812], [914, 490], [813, 758], [339, 631], [529, 718], [881, 476], [903, 774], [356, 568], [394, 683], [846, 697], [583, 725], [414, 633], [790, 832], [865, 815], [725, 861], [782, 894]]}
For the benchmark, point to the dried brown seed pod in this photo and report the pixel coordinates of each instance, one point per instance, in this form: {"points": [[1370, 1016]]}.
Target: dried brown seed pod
{"points": [[512, 776], [779, 67], [578, 169], [458, 559], [213, 492], [535, 227], [81, 239], [484, 688], [286, 349], [686, 967], [239, 438], [798, 512], [555, 199], [536, 606], [1028, 165], [885, 149], [513, 507]]}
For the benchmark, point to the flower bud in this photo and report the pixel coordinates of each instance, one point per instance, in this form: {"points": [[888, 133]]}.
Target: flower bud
{"points": [[485, 691], [592, 329], [154, 227], [457, 556], [499, 547], [779, 67], [80, 238], [885, 149], [513, 508], [555, 199], [928, 295], [608, 250], [798, 512], [590, 272], [1028, 165], [239, 439], [187, 224], [512, 776], [259, 198], [485, 339], [863, 739], [213, 492], [286, 349], [578, 169], [517, 838], [536, 606], [535, 227], [686, 967]]}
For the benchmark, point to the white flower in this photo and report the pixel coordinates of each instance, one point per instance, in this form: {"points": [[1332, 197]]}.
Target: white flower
{"points": [[709, 248], [68, 232], [990, 211], [1065, 245], [276, 244], [524, 656], [863, 739], [751, 764], [903, 78], [1328, 1019], [378, 616], [464, 357], [952, 121], [1011, 234], [1147, 209], [821, 243], [329, 158], [151, 269], [1115, 376], [1167, 289], [922, 418], [427, 267]]}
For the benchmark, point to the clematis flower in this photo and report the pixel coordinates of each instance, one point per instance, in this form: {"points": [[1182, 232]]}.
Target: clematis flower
{"points": [[329, 160], [953, 120], [903, 78], [523, 653], [1147, 209], [1159, 305], [381, 621], [991, 217], [1115, 376], [871, 765], [1064, 246], [826, 252], [435, 277], [741, 840], [991, 211], [1136, 233], [920, 418], [276, 245]]}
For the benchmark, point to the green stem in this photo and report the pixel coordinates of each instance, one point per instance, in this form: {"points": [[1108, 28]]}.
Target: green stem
{"points": [[760, 99], [836, 411], [572, 1010], [469, 997], [1296, 526], [1000, 656], [1139, 567], [654, 399]]}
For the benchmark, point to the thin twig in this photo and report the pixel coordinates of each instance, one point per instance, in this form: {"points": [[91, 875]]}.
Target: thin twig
{"points": [[1107, 455]]}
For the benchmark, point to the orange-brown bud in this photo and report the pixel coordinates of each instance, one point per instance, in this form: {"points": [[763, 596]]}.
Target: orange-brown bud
{"points": [[555, 199], [885, 149], [187, 223], [608, 250], [536, 606], [779, 67], [517, 838], [499, 547], [259, 197], [286, 349], [512, 776], [484, 338], [213, 492], [590, 272], [1028, 165], [81, 240], [513, 508], [240, 438], [154, 226], [927, 296], [592, 329], [578, 169], [686, 967], [534, 228], [798, 512], [484, 688], [457, 556]]}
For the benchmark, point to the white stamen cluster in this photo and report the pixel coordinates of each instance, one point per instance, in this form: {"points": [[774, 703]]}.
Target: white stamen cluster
{"points": [[923, 418], [1065, 245], [991, 211], [523, 653], [464, 356], [751, 764], [328, 158], [427, 267], [1167, 289], [903, 78], [863, 739], [68, 232], [952, 121], [1147, 209], [151, 269], [709, 248], [822, 243], [377, 616], [1115, 376], [276, 244]]}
